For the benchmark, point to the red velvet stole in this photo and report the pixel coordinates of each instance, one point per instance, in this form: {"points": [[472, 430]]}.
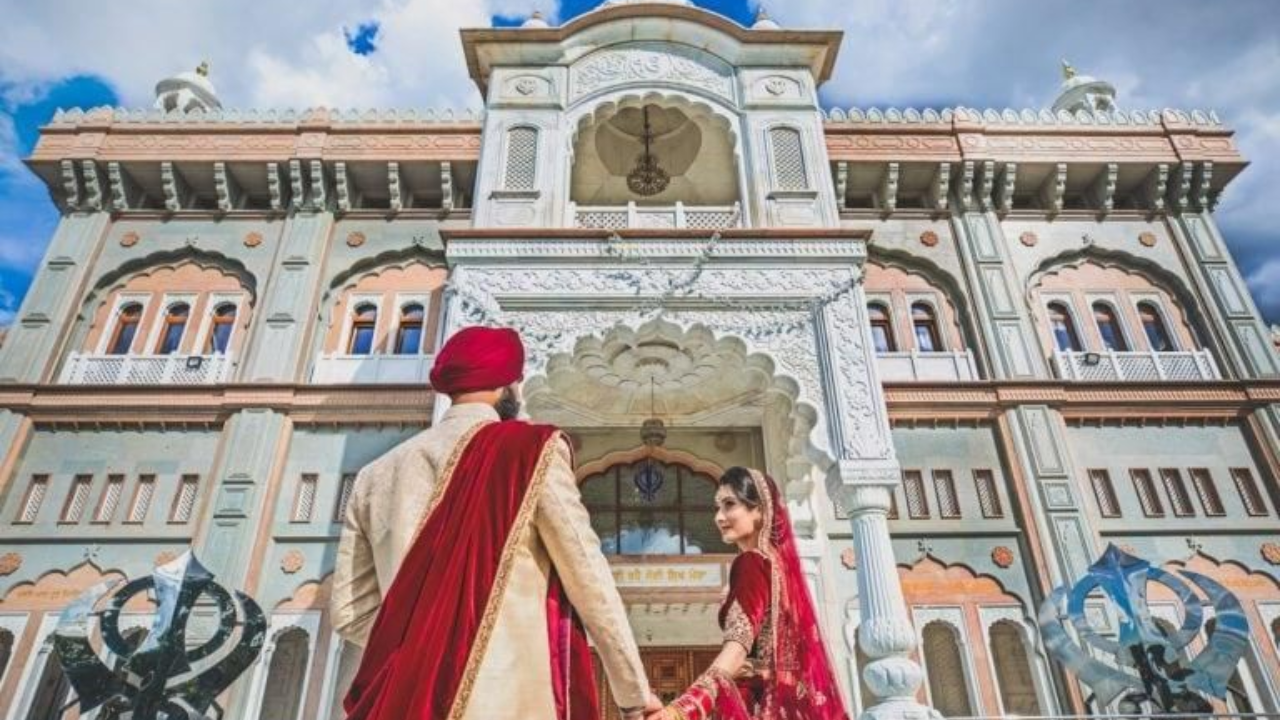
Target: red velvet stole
{"points": [[434, 624]]}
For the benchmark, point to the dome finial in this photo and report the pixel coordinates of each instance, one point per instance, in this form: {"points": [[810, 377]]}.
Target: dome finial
{"points": [[763, 21], [1068, 70], [536, 21]]}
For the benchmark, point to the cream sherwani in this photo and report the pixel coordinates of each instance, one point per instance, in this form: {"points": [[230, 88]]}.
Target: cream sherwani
{"points": [[514, 676]]}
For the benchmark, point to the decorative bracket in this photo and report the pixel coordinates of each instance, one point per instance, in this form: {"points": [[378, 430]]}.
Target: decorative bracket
{"points": [[842, 184], [319, 198], [987, 186], [274, 188], [177, 194], [394, 190], [1180, 192], [1102, 193], [940, 188], [887, 193], [70, 185], [227, 188], [446, 186], [94, 198], [1154, 189], [342, 185], [1201, 187], [297, 188], [1004, 188], [125, 193], [1054, 190], [964, 189]]}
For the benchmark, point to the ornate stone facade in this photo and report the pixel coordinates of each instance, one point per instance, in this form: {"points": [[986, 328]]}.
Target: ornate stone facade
{"points": [[975, 346]]}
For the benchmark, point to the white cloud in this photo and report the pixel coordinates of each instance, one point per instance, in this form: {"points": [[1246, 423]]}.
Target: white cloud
{"points": [[263, 54]]}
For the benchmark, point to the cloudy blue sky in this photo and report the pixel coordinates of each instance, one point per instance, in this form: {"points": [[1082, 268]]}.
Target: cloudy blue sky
{"points": [[405, 53]]}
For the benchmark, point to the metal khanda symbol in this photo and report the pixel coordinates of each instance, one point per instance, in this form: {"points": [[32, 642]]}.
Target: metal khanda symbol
{"points": [[1151, 664], [160, 679]]}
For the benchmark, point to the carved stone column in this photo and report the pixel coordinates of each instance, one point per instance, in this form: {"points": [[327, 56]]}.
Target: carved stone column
{"points": [[866, 473]]}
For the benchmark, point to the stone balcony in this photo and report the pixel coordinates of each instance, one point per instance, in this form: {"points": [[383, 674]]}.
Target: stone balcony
{"points": [[656, 217], [372, 369], [914, 366], [1139, 366], [88, 369]]}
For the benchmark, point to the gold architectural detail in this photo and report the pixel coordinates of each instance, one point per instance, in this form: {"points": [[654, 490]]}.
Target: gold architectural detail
{"points": [[293, 561], [1148, 239], [1002, 556], [9, 563], [253, 239], [356, 239], [849, 559], [1271, 553], [929, 238], [1029, 239], [129, 239]]}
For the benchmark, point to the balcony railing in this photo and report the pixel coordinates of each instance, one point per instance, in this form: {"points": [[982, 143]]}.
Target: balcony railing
{"points": [[660, 217], [1136, 366], [86, 369], [952, 366], [371, 369]]}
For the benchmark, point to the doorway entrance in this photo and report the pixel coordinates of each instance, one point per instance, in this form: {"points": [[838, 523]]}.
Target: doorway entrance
{"points": [[671, 670]]}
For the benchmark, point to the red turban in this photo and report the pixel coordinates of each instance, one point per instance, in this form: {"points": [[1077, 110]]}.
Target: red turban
{"points": [[478, 358]]}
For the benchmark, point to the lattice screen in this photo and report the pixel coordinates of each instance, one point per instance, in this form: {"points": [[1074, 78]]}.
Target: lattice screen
{"points": [[788, 159], [988, 495], [522, 159]]}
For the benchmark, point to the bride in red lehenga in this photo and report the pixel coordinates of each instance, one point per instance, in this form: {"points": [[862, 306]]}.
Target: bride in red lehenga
{"points": [[774, 664]]}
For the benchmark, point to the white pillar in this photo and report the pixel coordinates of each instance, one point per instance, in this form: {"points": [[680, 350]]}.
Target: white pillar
{"points": [[885, 631]]}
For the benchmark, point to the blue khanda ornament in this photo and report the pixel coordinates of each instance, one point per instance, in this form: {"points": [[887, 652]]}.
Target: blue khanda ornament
{"points": [[649, 480], [163, 677], [1150, 666]]}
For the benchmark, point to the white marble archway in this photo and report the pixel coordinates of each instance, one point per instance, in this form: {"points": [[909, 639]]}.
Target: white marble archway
{"points": [[797, 302]]}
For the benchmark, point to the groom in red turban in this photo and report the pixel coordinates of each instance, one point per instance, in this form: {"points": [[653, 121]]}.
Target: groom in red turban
{"points": [[468, 568]]}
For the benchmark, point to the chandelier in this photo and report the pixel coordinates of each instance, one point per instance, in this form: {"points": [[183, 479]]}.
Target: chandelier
{"points": [[653, 433], [647, 178]]}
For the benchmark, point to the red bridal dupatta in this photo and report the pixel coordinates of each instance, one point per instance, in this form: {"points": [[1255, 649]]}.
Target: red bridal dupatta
{"points": [[434, 624], [767, 590]]}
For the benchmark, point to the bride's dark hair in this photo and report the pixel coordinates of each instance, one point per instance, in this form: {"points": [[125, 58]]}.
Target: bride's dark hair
{"points": [[738, 479]]}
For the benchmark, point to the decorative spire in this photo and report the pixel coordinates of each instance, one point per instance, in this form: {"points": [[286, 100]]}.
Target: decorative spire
{"points": [[536, 21], [763, 21], [1083, 92], [1068, 71], [203, 69]]}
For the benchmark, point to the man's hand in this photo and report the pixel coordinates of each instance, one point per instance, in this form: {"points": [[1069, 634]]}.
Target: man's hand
{"points": [[652, 709]]}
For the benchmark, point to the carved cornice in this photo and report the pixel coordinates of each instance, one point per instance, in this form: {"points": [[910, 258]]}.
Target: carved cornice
{"points": [[925, 403], [908, 403], [1170, 136], [112, 406]]}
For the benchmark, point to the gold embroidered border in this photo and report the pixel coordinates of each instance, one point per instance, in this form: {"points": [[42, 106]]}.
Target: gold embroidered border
{"points": [[494, 604], [446, 476]]}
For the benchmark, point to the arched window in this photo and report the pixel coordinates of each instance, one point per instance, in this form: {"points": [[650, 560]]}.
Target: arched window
{"points": [[1014, 675], [638, 512], [224, 321], [1153, 325], [1064, 330], [1238, 698], [348, 664], [925, 323], [881, 328], [286, 676], [51, 689], [1109, 327], [174, 327], [411, 330], [126, 329], [6, 651], [364, 323], [522, 159], [944, 666], [789, 170]]}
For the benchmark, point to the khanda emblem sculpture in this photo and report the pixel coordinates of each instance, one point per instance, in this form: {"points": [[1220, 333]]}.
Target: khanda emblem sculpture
{"points": [[163, 678], [1149, 668]]}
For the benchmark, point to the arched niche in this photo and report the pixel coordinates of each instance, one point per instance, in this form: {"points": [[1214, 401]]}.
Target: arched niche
{"points": [[694, 141]]}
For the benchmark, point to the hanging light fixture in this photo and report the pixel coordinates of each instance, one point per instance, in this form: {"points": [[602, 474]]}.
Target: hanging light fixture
{"points": [[653, 433], [647, 178]]}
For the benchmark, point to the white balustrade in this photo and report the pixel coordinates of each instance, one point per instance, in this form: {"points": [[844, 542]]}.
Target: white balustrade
{"points": [[88, 369], [656, 217], [916, 366], [371, 369], [1136, 366]]}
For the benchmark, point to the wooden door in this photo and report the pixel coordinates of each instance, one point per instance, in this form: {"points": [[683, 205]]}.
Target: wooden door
{"points": [[670, 672]]}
